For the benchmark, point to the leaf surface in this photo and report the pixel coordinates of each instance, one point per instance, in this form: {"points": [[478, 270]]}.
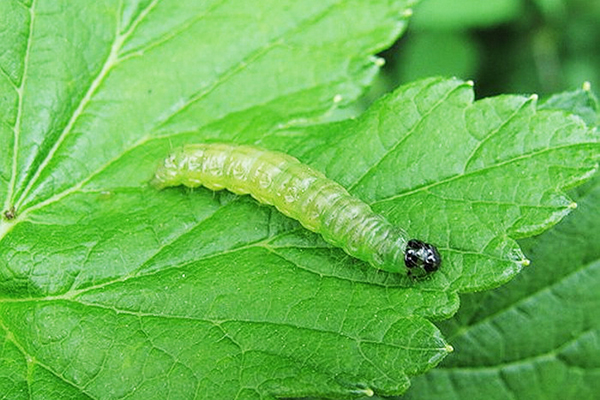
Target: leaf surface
{"points": [[535, 338]]}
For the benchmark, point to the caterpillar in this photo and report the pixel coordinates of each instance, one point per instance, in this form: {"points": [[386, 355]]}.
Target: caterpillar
{"points": [[305, 194]]}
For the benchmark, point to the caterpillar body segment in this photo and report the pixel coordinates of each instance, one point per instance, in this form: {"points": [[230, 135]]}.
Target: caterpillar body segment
{"points": [[303, 193]]}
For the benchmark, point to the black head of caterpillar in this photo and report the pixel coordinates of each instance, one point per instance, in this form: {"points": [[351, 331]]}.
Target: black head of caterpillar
{"points": [[421, 259]]}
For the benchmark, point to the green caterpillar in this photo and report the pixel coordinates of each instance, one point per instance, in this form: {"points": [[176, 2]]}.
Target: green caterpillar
{"points": [[300, 192]]}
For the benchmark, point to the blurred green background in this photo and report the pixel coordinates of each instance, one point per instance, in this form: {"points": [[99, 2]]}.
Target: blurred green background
{"points": [[504, 46]]}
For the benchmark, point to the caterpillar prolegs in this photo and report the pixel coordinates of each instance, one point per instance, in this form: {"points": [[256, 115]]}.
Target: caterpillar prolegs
{"points": [[303, 193]]}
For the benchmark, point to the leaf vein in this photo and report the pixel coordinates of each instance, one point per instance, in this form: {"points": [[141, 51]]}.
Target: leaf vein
{"points": [[412, 130], [493, 133], [519, 302], [453, 178], [240, 66], [98, 80], [17, 127]]}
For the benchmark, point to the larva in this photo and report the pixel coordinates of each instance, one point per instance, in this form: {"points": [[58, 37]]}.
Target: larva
{"points": [[303, 193]]}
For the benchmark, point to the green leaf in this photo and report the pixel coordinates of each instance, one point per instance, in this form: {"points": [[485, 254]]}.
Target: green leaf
{"points": [[581, 102], [535, 338], [109, 288], [466, 176]]}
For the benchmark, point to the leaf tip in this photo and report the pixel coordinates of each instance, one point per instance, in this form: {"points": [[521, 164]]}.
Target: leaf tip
{"points": [[379, 61], [470, 82], [449, 348], [573, 205], [525, 262], [407, 13], [337, 98]]}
